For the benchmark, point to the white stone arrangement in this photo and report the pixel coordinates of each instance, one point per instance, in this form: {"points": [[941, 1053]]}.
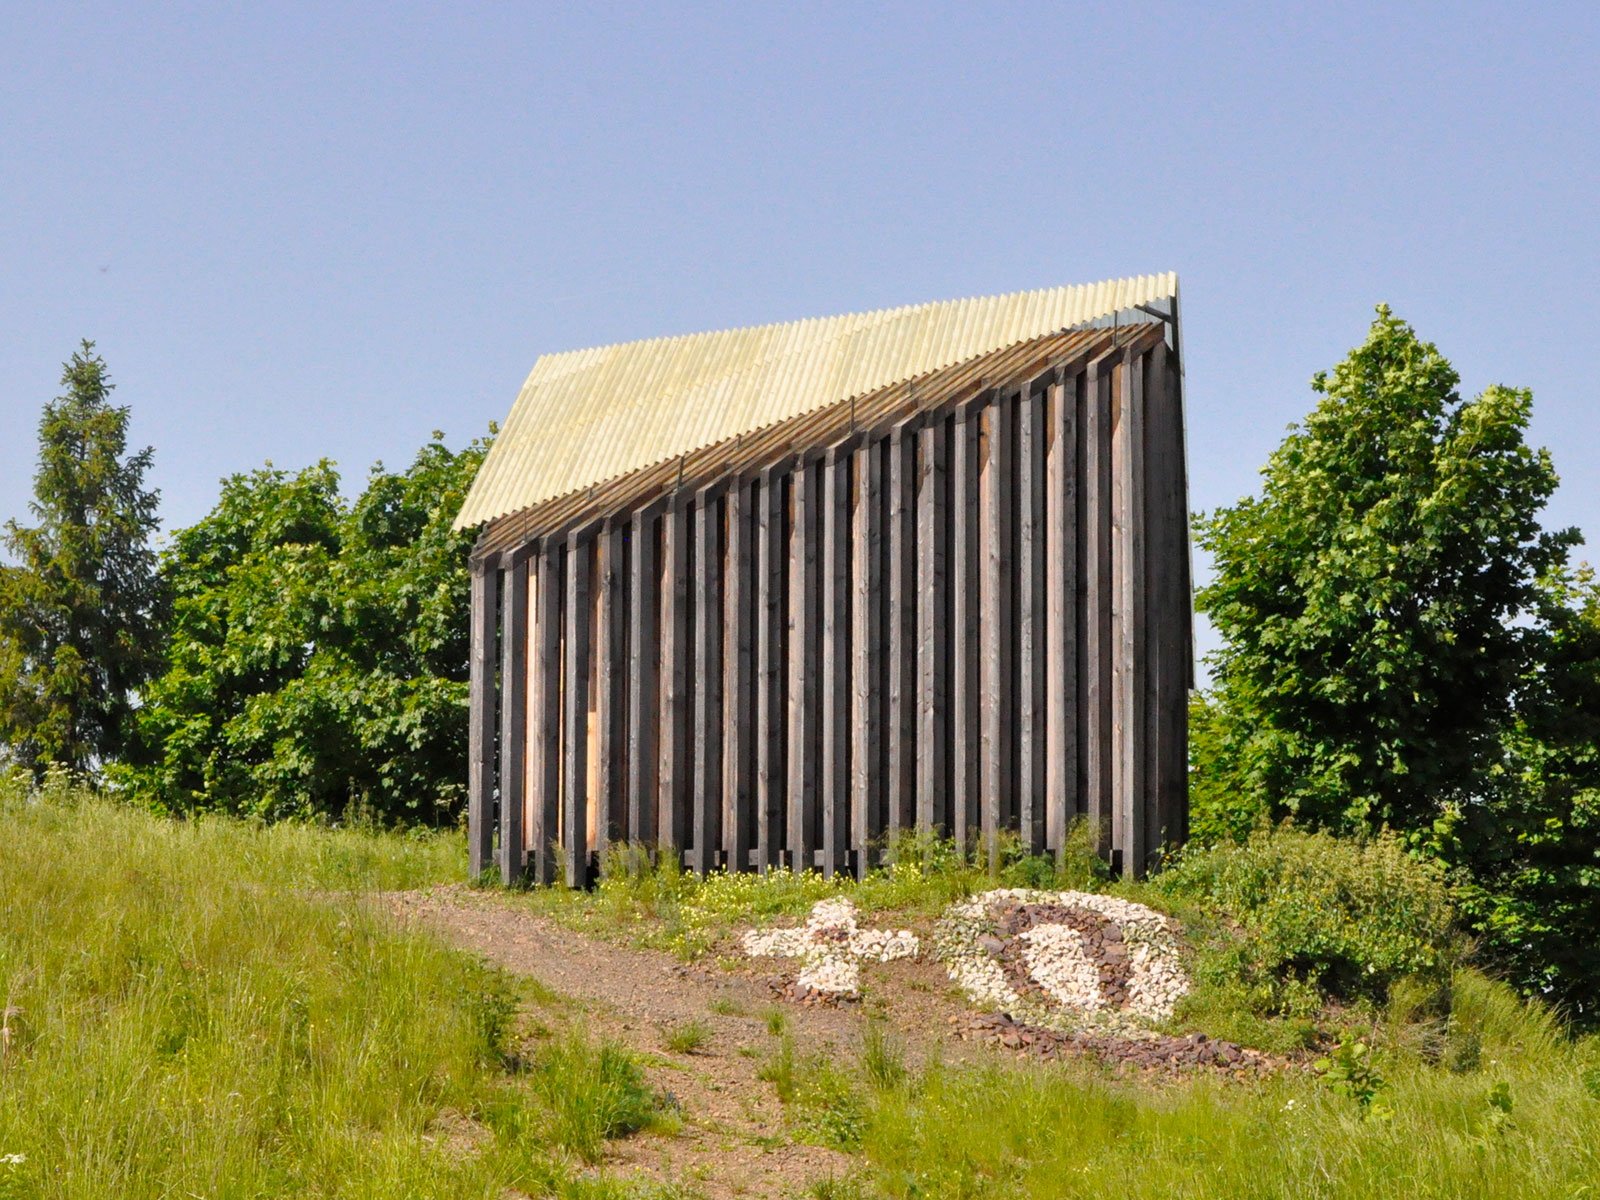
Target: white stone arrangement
{"points": [[831, 947], [1068, 974]]}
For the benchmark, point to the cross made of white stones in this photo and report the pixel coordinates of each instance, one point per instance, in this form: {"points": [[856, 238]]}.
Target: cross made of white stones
{"points": [[831, 947]]}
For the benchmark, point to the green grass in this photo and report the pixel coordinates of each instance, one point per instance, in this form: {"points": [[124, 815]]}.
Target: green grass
{"points": [[215, 1009], [687, 1037]]}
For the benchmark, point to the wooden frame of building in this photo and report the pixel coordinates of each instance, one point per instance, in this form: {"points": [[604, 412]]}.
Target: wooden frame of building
{"points": [[921, 570]]}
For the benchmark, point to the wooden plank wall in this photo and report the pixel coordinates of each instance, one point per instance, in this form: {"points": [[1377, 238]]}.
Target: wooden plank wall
{"points": [[972, 621]]}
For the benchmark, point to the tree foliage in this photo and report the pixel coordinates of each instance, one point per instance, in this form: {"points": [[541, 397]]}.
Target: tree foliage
{"points": [[1369, 599], [80, 619], [318, 658]]}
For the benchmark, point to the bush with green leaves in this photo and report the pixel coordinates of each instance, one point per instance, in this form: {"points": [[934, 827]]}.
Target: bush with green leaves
{"points": [[1310, 917]]}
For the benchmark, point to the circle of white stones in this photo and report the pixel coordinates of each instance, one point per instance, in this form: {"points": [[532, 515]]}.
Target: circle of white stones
{"points": [[1048, 972]]}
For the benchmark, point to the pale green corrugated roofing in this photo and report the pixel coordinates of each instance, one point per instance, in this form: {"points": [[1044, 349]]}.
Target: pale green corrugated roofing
{"points": [[588, 416]]}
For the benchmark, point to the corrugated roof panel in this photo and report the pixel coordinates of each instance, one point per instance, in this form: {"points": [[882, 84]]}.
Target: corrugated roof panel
{"points": [[587, 416]]}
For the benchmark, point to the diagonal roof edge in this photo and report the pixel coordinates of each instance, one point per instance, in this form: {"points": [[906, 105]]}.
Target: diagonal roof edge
{"points": [[587, 416]]}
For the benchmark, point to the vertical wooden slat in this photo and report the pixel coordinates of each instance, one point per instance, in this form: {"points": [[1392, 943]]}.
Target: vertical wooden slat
{"points": [[1167, 614], [644, 649], [575, 699], [1129, 794], [1061, 621], [902, 723], [707, 793], [933, 631], [738, 691], [771, 642], [546, 765], [677, 765], [611, 701], [804, 652], [867, 759], [834, 775], [996, 628], [513, 714], [1095, 682], [965, 571], [481, 715], [1030, 575]]}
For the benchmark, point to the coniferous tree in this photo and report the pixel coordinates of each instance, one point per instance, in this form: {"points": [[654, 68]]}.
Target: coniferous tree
{"points": [[80, 626]]}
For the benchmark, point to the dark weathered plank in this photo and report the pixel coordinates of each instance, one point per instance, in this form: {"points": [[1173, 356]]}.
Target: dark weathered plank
{"points": [[611, 699], [966, 700], [546, 773], [481, 691], [575, 702], [738, 690], [1167, 616], [513, 713], [1031, 713], [706, 833], [1062, 801], [644, 650], [771, 613], [1095, 681], [996, 626], [804, 749], [933, 630], [677, 760], [834, 775], [867, 759], [902, 652]]}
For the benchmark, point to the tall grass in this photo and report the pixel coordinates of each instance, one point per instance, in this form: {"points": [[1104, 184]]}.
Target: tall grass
{"points": [[213, 1009]]}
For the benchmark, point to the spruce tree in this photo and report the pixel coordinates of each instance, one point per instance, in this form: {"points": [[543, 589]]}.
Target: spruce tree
{"points": [[80, 627]]}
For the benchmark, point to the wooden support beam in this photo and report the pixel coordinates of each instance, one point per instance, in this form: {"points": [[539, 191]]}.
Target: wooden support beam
{"points": [[1129, 793], [575, 702], [996, 775], [545, 759], [485, 618], [933, 630], [1030, 583], [738, 688], [706, 833], [1062, 800], [804, 749], [1095, 680], [771, 613], [867, 758], [902, 723], [834, 778], [513, 716], [611, 701], [1167, 617], [644, 650], [965, 570], [677, 760]]}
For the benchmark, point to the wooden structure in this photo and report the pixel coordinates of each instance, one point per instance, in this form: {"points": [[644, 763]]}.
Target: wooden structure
{"points": [[921, 594]]}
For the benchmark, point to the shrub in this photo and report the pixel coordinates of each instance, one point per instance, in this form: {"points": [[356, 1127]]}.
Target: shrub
{"points": [[1312, 917]]}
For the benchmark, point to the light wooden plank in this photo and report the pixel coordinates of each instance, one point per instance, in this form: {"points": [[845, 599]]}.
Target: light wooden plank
{"points": [[1095, 682], [481, 714], [803, 749], [933, 630], [867, 759], [1030, 580], [902, 651], [676, 752], [996, 624], [771, 611], [834, 772], [706, 833], [965, 571], [611, 700], [575, 700], [1127, 619], [738, 689], [513, 715], [644, 649], [1062, 801]]}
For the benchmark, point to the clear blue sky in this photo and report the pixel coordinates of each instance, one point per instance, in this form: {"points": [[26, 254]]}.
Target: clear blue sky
{"points": [[299, 231]]}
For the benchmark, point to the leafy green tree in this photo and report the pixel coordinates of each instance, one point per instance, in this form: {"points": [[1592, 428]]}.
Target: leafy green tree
{"points": [[80, 610], [318, 661], [1372, 598]]}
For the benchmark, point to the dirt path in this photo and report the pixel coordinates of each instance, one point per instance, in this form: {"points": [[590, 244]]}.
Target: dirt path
{"points": [[733, 1141]]}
